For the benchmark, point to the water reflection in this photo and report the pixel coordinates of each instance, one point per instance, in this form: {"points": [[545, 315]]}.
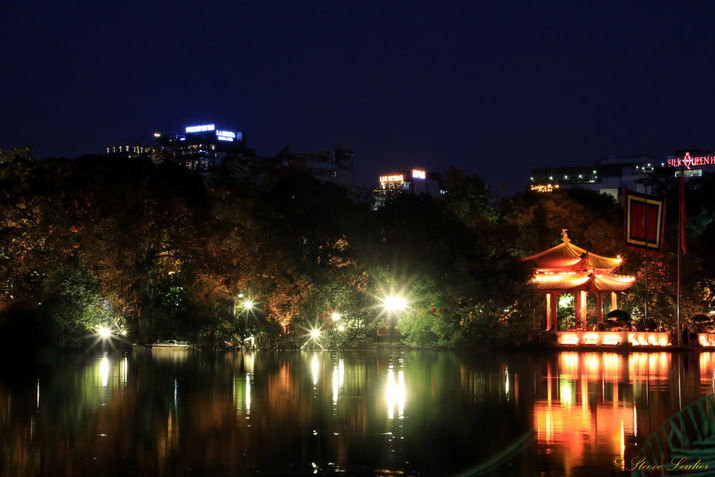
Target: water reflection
{"points": [[416, 413], [395, 394]]}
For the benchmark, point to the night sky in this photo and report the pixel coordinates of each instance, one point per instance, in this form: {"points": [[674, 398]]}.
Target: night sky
{"points": [[494, 87]]}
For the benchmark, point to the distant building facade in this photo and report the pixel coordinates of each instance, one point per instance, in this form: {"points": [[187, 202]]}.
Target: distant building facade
{"points": [[607, 175], [335, 165], [610, 175], [416, 182], [128, 151], [202, 147], [199, 147]]}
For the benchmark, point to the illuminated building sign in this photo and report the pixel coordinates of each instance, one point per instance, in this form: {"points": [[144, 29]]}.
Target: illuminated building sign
{"points": [[393, 178], [200, 128], [688, 161], [418, 174], [229, 134], [545, 187]]}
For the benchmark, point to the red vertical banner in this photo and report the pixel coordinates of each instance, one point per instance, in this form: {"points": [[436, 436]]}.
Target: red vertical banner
{"points": [[682, 210], [645, 221]]}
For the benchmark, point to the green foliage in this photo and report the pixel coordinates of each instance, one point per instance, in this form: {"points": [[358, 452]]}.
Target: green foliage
{"points": [[25, 153], [594, 221], [424, 329], [95, 240]]}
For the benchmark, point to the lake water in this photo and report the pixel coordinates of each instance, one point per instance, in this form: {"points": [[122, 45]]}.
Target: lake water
{"points": [[390, 412]]}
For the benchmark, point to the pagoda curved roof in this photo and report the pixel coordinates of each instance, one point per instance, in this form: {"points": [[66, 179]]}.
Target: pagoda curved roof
{"points": [[582, 281], [569, 268], [568, 257]]}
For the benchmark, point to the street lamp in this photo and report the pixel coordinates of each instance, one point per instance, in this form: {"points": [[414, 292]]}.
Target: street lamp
{"points": [[394, 303], [104, 332], [397, 304]]}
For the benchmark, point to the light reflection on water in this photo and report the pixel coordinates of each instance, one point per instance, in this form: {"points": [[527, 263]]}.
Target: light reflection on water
{"points": [[352, 413]]}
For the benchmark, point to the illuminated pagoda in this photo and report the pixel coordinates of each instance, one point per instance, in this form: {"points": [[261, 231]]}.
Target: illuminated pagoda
{"points": [[567, 268]]}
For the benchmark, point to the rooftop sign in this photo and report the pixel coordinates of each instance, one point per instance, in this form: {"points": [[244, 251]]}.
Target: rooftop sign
{"points": [[200, 128], [689, 161], [393, 178]]}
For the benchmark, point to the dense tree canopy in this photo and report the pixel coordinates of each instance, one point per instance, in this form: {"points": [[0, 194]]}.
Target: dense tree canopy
{"points": [[161, 252]]}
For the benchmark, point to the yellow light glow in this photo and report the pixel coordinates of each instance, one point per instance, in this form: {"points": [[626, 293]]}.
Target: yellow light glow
{"points": [[569, 339], [104, 332], [393, 178], [591, 339], [567, 393], [611, 339]]}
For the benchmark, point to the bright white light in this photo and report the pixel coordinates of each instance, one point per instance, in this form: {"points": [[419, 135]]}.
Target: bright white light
{"points": [[395, 303], [104, 371], [336, 316], [315, 334], [341, 328], [314, 368], [248, 305], [395, 394], [104, 332], [201, 128]]}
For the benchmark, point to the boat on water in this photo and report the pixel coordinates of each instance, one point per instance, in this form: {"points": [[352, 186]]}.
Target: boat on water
{"points": [[169, 345]]}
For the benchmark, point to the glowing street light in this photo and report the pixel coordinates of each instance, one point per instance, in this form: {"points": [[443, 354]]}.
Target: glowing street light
{"points": [[315, 333], [104, 332], [248, 305], [335, 316], [394, 303]]}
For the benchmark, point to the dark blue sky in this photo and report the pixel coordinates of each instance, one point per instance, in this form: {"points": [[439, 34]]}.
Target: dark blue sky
{"points": [[494, 87]]}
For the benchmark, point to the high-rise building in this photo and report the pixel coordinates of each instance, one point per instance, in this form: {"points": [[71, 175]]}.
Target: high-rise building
{"points": [[199, 147], [416, 182], [335, 165]]}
